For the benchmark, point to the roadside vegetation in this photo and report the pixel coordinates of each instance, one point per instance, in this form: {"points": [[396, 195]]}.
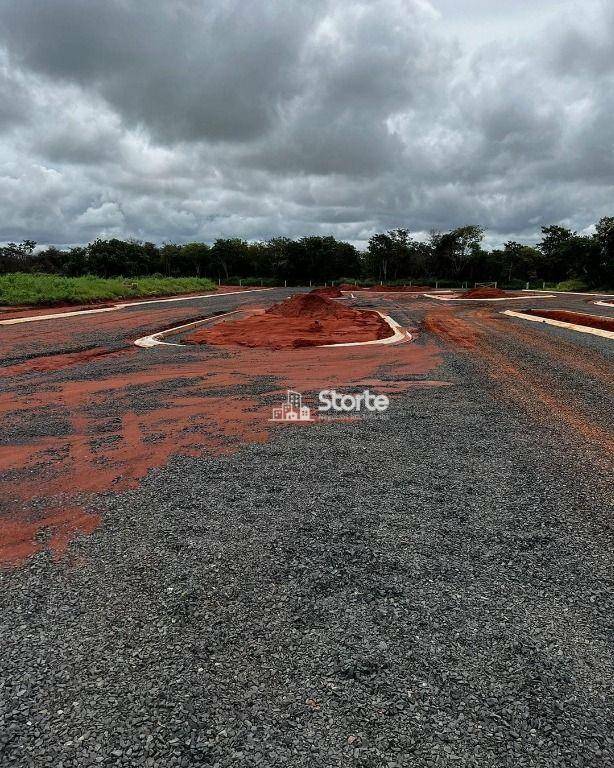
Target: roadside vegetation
{"points": [[41, 289], [562, 256]]}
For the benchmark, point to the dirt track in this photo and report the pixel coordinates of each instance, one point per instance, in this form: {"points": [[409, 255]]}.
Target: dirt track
{"points": [[460, 550]]}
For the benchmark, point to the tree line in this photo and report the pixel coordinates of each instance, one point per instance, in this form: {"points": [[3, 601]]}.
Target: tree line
{"points": [[393, 256]]}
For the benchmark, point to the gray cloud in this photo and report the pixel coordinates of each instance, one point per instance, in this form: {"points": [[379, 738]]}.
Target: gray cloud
{"points": [[14, 101], [180, 119], [184, 68]]}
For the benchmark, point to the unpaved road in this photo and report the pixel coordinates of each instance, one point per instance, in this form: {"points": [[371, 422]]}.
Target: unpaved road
{"points": [[186, 584]]}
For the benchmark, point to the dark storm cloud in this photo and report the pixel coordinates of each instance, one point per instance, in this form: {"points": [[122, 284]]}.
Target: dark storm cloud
{"points": [[182, 119], [13, 100], [186, 69], [584, 50]]}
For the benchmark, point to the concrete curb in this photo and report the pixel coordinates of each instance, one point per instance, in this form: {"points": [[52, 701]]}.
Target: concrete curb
{"points": [[567, 293], [503, 298], [400, 334], [561, 324], [155, 339]]}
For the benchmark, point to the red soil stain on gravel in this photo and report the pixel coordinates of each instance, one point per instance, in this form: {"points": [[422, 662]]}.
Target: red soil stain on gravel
{"points": [[49, 363], [20, 538], [306, 320], [577, 318], [136, 415], [446, 325]]}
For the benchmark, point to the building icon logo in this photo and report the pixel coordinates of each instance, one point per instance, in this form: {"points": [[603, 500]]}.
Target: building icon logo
{"points": [[293, 409]]}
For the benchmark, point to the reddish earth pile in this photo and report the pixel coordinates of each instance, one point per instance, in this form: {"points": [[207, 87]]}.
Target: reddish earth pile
{"points": [[332, 292], [577, 318], [305, 320], [350, 287], [485, 293]]}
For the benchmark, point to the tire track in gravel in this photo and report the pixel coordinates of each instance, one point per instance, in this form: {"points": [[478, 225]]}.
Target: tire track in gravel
{"points": [[558, 351], [526, 379]]}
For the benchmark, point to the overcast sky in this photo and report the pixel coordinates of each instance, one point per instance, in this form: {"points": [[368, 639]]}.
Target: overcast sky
{"points": [[194, 119]]}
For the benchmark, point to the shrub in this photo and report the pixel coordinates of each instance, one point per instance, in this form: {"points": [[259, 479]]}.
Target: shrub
{"points": [[571, 285]]}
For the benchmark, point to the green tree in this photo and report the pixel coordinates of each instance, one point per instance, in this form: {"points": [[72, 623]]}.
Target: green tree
{"points": [[518, 261], [465, 242], [552, 247], [113, 258], [229, 257], [17, 257], [194, 260], [453, 251], [605, 238]]}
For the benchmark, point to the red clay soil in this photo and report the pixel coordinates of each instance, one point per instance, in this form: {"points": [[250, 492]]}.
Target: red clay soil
{"points": [[21, 538], [485, 293], [331, 292], [48, 363], [195, 409], [50, 480], [351, 287], [577, 318], [305, 320]]}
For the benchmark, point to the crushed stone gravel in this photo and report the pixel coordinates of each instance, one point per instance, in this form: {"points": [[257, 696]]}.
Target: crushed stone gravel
{"points": [[435, 589]]}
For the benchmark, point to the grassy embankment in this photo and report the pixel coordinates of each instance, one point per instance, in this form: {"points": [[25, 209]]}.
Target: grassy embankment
{"points": [[39, 289]]}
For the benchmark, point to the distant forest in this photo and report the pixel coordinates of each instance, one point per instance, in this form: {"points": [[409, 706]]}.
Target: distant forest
{"points": [[390, 257]]}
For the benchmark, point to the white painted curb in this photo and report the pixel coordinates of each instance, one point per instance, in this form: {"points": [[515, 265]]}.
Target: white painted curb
{"points": [[561, 324], [56, 315], [400, 334], [409, 293], [155, 339], [116, 307], [568, 293], [502, 298]]}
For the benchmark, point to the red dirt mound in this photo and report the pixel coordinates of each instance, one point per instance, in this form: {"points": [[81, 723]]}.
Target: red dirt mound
{"points": [[351, 287], [305, 320], [311, 305], [485, 293], [577, 318], [332, 292]]}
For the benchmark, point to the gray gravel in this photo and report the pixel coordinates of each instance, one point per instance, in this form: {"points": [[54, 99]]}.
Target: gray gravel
{"points": [[431, 590]]}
